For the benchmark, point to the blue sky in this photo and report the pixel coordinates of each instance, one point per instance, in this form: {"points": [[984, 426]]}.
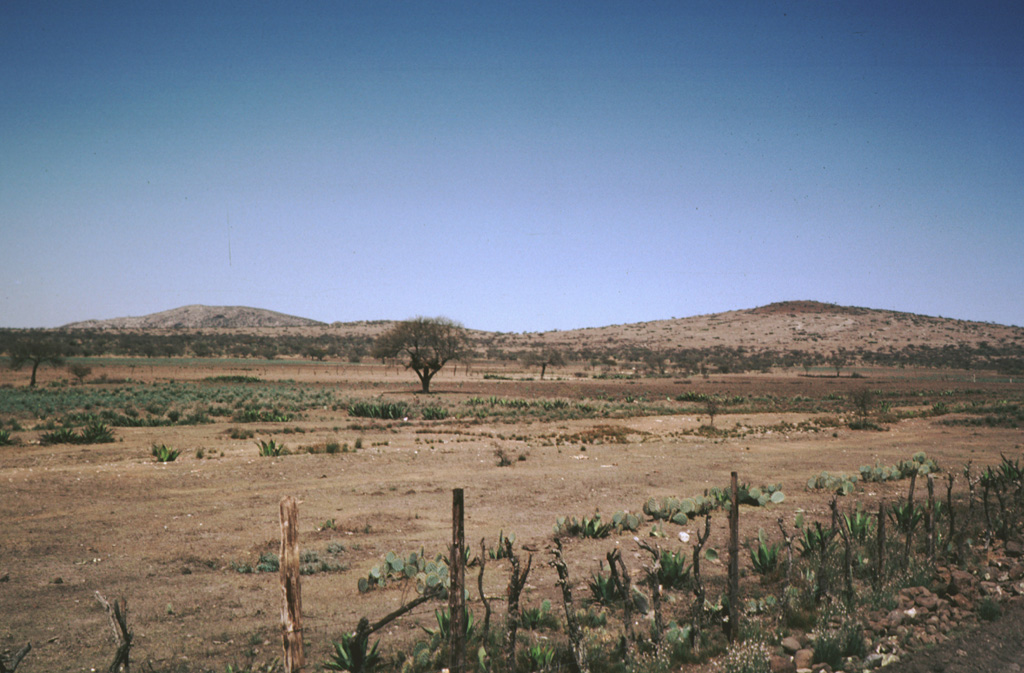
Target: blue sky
{"points": [[516, 166]]}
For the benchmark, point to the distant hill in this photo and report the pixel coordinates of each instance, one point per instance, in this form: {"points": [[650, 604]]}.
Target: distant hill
{"points": [[780, 334], [805, 326], [200, 317]]}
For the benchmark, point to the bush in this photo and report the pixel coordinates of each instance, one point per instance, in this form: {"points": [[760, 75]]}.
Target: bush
{"points": [[747, 657], [832, 646], [989, 610]]}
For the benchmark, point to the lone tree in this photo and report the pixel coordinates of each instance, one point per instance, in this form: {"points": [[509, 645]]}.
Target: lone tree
{"points": [[544, 359], [35, 352], [426, 345]]}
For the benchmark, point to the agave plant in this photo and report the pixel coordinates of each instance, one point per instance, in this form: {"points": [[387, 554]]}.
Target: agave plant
{"points": [[673, 570], [604, 589], [270, 448], [764, 556], [861, 524], [165, 454], [353, 654], [817, 539]]}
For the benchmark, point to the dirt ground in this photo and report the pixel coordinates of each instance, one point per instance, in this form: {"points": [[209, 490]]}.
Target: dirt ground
{"points": [[169, 537]]}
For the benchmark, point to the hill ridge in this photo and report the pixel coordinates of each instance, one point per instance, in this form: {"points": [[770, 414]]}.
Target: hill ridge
{"points": [[200, 316]]}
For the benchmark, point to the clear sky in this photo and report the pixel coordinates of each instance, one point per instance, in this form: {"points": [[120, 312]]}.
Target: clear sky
{"points": [[516, 166]]}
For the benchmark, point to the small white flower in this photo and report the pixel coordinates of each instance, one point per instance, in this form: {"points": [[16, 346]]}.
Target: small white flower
{"points": [[684, 536]]}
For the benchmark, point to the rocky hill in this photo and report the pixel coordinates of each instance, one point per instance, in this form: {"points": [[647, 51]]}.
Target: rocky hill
{"points": [[200, 317], [806, 326]]}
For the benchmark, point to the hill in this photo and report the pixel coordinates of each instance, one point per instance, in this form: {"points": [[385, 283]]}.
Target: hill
{"points": [[806, 326], [784, 334], [200, 317]]}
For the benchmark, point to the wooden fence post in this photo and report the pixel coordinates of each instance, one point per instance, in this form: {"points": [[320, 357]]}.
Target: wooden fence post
{"points": [[291, 610], [929, 521], [457, 591], [880, 561], [734, 559]]}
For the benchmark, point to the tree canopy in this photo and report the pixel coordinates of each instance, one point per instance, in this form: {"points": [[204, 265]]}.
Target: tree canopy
{"points": [[35, 352], [425, 344]]}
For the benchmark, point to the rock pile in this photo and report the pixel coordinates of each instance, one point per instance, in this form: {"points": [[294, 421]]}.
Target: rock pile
{"points": [[923, 616]]}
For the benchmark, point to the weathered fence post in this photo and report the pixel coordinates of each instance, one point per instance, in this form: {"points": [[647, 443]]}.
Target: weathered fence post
{"points": [[929, 521], [880, 574], [949, 509], [734, 559], [457, 591], [909, 522], [291, 610]]}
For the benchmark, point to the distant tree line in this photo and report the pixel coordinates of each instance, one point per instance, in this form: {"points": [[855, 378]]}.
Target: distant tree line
{"points": [[1006, 358], [97, 343]]}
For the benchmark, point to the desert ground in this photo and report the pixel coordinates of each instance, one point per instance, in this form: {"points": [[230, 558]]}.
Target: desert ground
{"points": [[171, 538]]}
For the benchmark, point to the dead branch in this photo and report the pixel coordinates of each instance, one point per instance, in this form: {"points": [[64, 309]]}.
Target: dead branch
{"points": [[572, 623], [516, 582], [480, 588], [118, 614], [8, 664], [698, 587]]}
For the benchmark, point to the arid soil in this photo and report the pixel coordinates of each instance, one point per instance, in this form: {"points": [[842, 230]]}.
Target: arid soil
{"points": [[170, 537]]}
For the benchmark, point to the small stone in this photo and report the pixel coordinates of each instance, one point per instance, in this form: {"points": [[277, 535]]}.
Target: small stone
{"points": [[927, 601], [790, 645], [803, 659], [782, 664], [895, 618], [1014, 549], [872, 660]]}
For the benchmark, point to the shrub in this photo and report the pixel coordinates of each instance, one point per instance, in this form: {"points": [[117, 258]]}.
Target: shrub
{"points": [[832, 646], [989, 610], [504, 460], [5, 437], [747, 657]]}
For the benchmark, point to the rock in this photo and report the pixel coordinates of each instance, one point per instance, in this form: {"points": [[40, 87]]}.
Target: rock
{"points": [[927, 601], [962, 601], [782, 664], [790, 645], [963, 583], [873, 660], [895, 618], [803, 659], [1016, 571], [1014, 549]]}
